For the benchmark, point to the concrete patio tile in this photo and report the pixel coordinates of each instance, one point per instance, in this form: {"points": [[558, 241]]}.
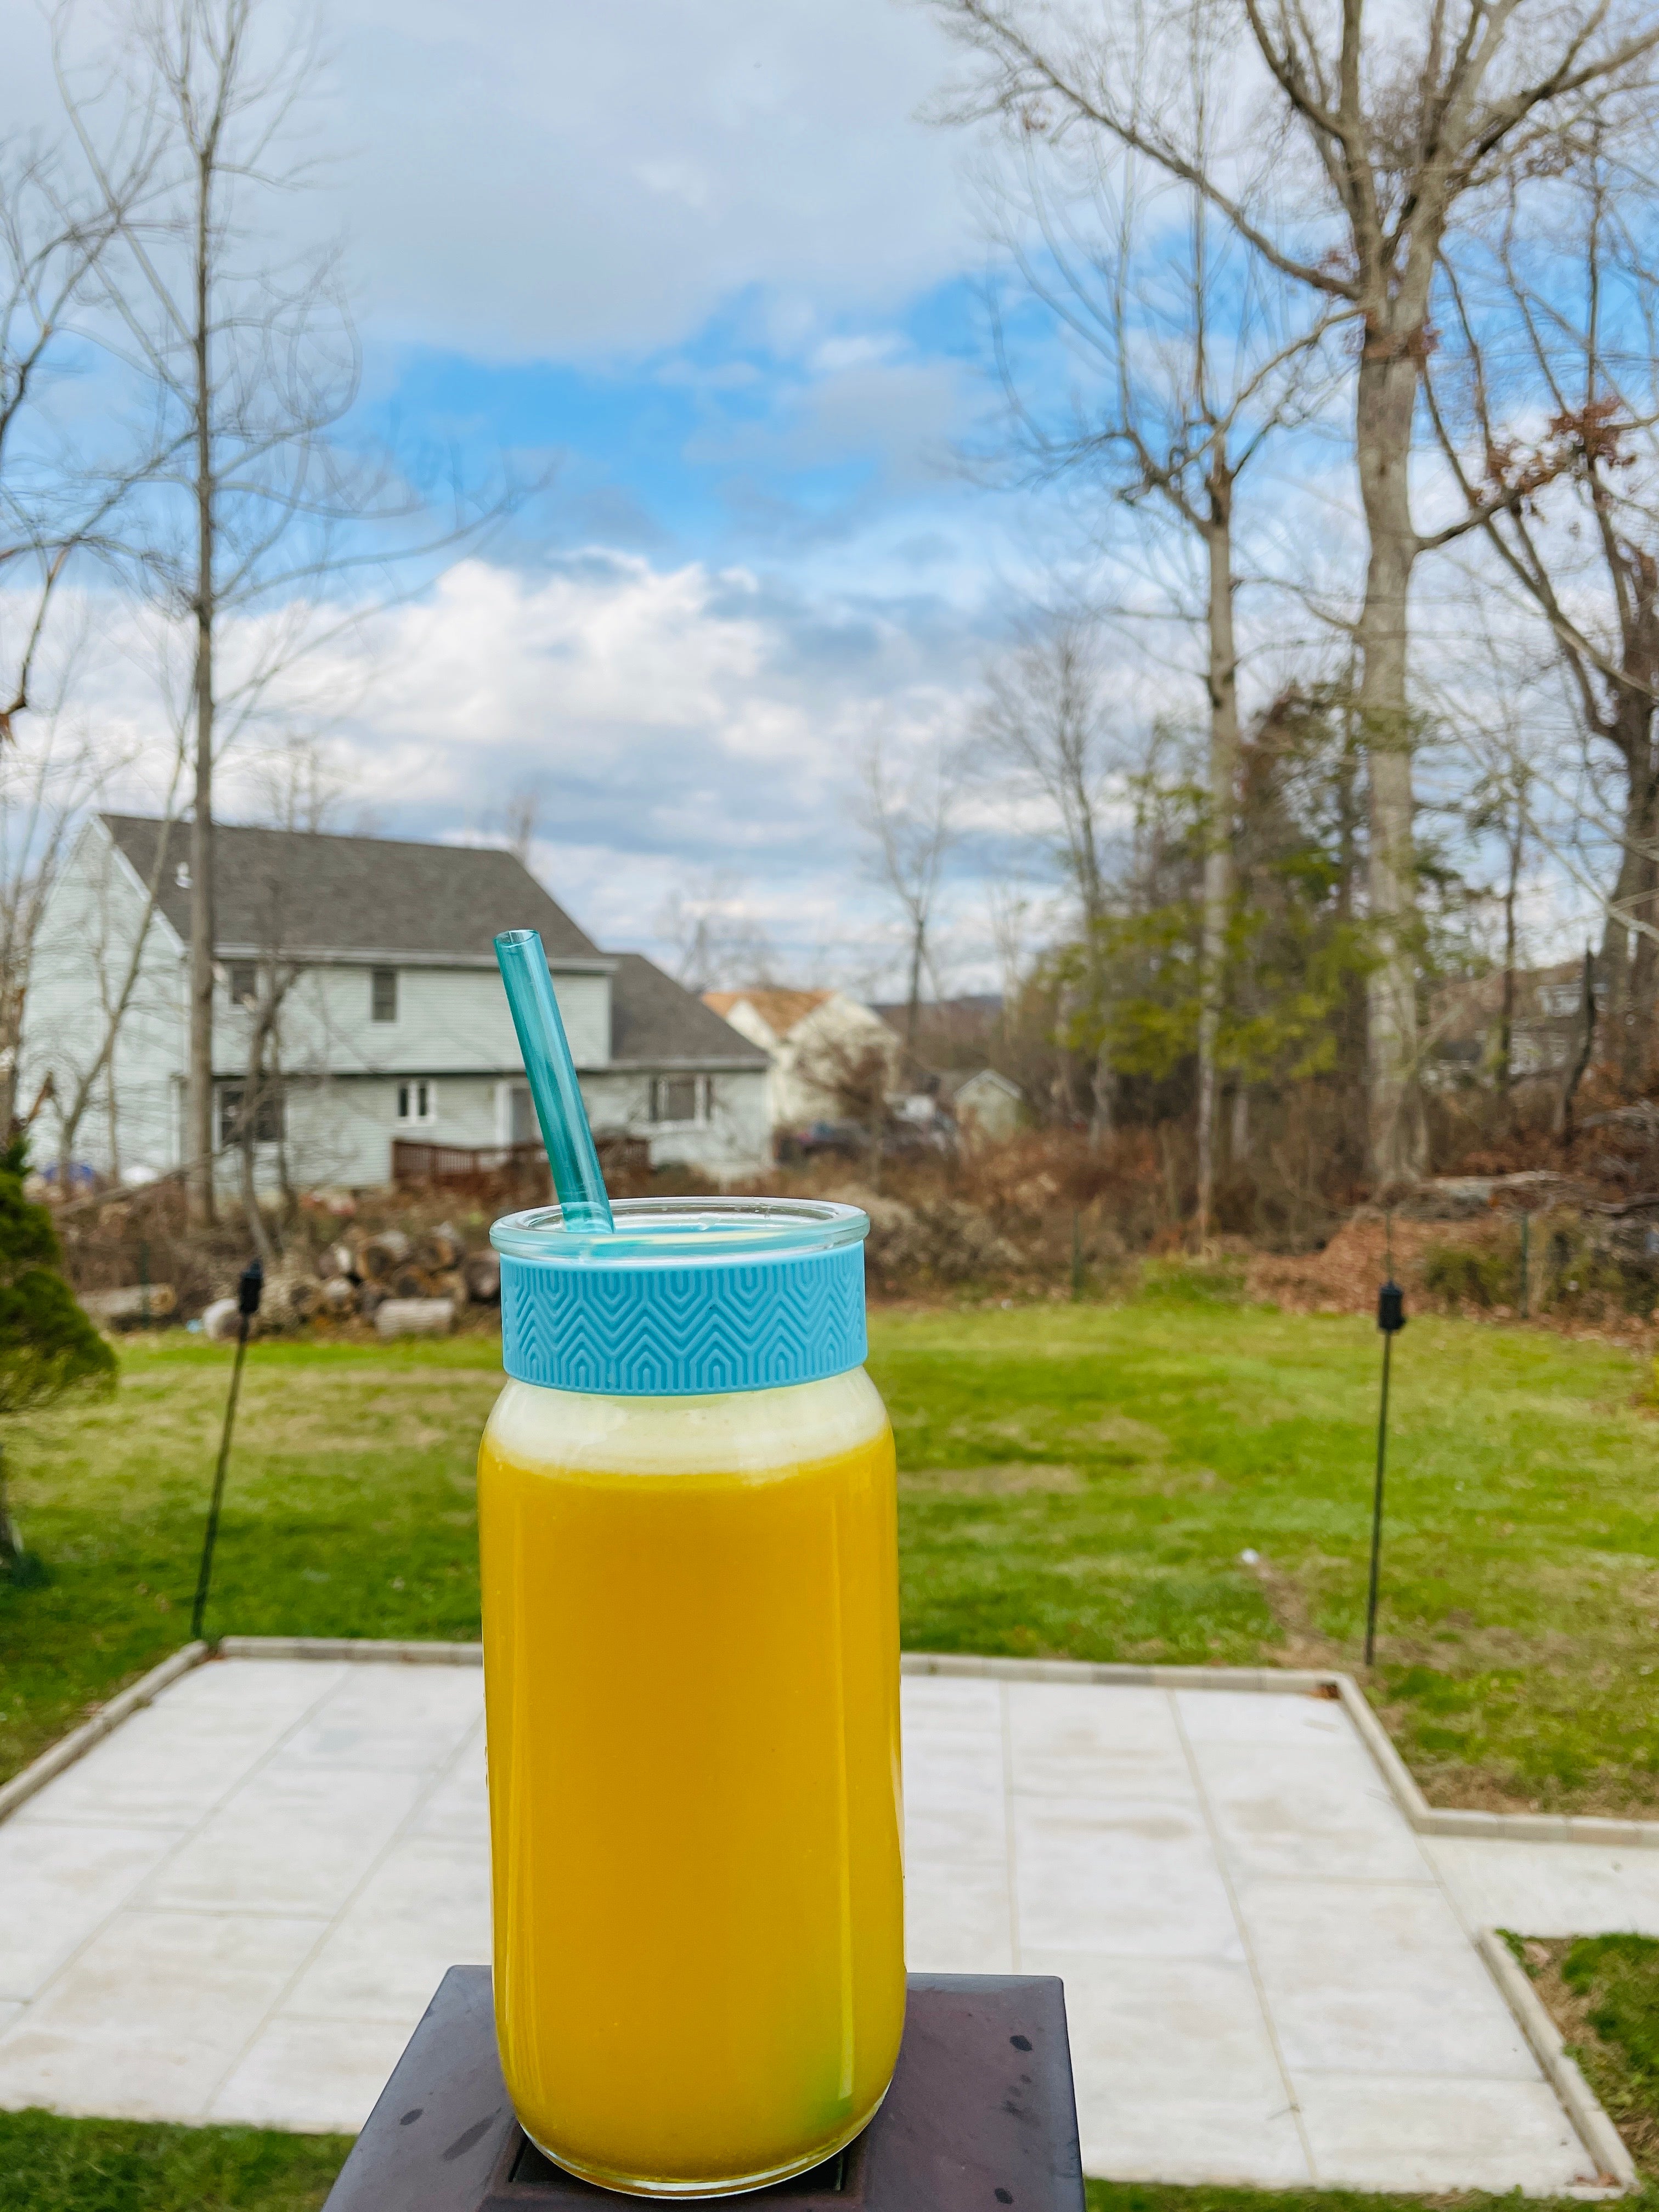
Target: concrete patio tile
{"points": [[1550, 1889], [392, 1717], [145, 2023], [1378, 1977], [188, 1873], [1135, 1880], [950, 1704], [298, 1838], [165, 1767], [60, 1885], [426, 1910], [1158, 2028], [1067, 1740], [1310, 1809], [1261, 1716], [1410, 2132], [458, 1810], [957, 1919], [955, 1808], [314, 2076], [1190, 2139], [234, 1690]]}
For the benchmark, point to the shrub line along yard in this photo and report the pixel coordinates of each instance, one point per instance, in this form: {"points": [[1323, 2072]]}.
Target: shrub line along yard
{"points": [[1180, 1477]]}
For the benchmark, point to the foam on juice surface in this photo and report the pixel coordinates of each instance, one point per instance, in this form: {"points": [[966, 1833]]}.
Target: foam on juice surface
{"points": [[755, 1432]]}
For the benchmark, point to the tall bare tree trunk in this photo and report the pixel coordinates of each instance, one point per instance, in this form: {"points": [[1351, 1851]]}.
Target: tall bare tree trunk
{"points": [[1506, 1028], [1223, 679], [1627, 947], [1387, 400], [199, 1115]]}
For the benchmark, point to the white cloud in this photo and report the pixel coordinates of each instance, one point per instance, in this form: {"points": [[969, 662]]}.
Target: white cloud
{"points": [[552, 179]]}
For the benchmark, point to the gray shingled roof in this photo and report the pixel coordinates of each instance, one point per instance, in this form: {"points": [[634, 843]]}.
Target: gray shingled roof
{"points": [[311, 893], [654, 1019]]}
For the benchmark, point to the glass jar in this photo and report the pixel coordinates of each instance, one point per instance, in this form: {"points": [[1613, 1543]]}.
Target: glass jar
{"points": [[687, 1526]]}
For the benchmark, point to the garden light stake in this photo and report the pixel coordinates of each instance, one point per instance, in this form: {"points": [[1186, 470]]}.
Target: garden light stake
{"points": [[1390, 1319], [247, 1304]]}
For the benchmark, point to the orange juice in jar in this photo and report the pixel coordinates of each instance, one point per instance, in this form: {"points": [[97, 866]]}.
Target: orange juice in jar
{"points": [[687, 1530]]}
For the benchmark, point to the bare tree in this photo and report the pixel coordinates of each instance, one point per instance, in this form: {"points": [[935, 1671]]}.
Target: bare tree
{"points": [[909, 818], [115, 941], [49, 772], [1044, 722], [1200, 351], [1567, 324], [718, 941], [251, 362], [1358, 140], [57, 501]]}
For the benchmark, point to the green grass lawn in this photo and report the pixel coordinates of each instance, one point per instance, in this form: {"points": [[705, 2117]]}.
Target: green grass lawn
{"points": [[1077, 1480]]}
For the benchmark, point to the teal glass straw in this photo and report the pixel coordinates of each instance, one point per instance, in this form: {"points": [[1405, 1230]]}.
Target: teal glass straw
{"points": [[553, 1084]]}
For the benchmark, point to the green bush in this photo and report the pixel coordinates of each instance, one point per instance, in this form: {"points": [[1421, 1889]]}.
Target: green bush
{"points": [[1471, 1274], [48, 1347]]}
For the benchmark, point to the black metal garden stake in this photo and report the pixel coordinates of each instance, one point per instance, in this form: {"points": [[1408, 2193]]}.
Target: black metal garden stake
{"points": [[1390, 1319], [247, 1304]]}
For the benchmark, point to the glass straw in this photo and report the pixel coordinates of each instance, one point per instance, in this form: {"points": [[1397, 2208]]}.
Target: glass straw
{"points": [[553, 1084]]}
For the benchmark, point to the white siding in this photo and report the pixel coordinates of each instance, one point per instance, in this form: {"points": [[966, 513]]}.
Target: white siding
{"points": [[340, 1131], [91, 921], [735, 1139], [449, 1019], [342, 1069]]}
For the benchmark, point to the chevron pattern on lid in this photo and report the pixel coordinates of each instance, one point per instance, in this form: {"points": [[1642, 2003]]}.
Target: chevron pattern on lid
{"points": [[676, 1331]]}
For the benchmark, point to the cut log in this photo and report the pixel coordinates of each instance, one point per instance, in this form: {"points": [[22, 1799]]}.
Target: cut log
{"points": [[380, 1256], [370, 1298], [416, 1317], [483, 1278], [451, 1285], [132, 1302], [299, 1298], [410, 1283], [339, 1296], [219, 1322], [441, 1249]]}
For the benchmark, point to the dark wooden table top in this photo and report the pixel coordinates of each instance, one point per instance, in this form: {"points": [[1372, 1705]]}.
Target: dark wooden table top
{"points": [[981, 2117]]}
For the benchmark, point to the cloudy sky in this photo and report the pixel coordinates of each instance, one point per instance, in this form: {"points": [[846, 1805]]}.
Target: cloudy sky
{"points": [[705, 264]]}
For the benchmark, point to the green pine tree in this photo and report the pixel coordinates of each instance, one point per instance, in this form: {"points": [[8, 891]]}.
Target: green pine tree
{"points": [[48, 1347]]}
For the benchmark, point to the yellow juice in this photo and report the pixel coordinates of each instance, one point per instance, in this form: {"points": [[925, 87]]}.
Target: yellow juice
{"points": [[690, 1615]]}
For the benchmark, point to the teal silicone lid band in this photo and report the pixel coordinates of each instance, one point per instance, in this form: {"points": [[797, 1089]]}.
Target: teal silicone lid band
{"points": [[690, 1297]]}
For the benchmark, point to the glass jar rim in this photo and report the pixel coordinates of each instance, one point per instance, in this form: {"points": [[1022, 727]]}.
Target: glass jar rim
{"points": [[699, 1230]]}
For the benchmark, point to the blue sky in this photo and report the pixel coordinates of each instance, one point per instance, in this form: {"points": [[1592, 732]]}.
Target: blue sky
{"points": [[705, 264]]}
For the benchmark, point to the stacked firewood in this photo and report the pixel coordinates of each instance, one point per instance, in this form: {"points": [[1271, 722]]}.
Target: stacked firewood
{"points": [[369, 1268]]}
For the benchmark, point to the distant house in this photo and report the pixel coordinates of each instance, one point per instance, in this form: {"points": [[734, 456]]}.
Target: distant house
{"points": [[1546, 1032], [825, 1050], [985, 1105], [393, 1021]]}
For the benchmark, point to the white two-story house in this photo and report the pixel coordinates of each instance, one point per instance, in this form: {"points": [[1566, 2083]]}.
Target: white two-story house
{"points": [[391, 1020]]}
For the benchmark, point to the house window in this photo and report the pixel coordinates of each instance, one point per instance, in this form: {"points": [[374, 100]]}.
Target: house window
{"points": [[676, 1098], [418, 1102], [270, 1116], [383, 995], [243, 983]]}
